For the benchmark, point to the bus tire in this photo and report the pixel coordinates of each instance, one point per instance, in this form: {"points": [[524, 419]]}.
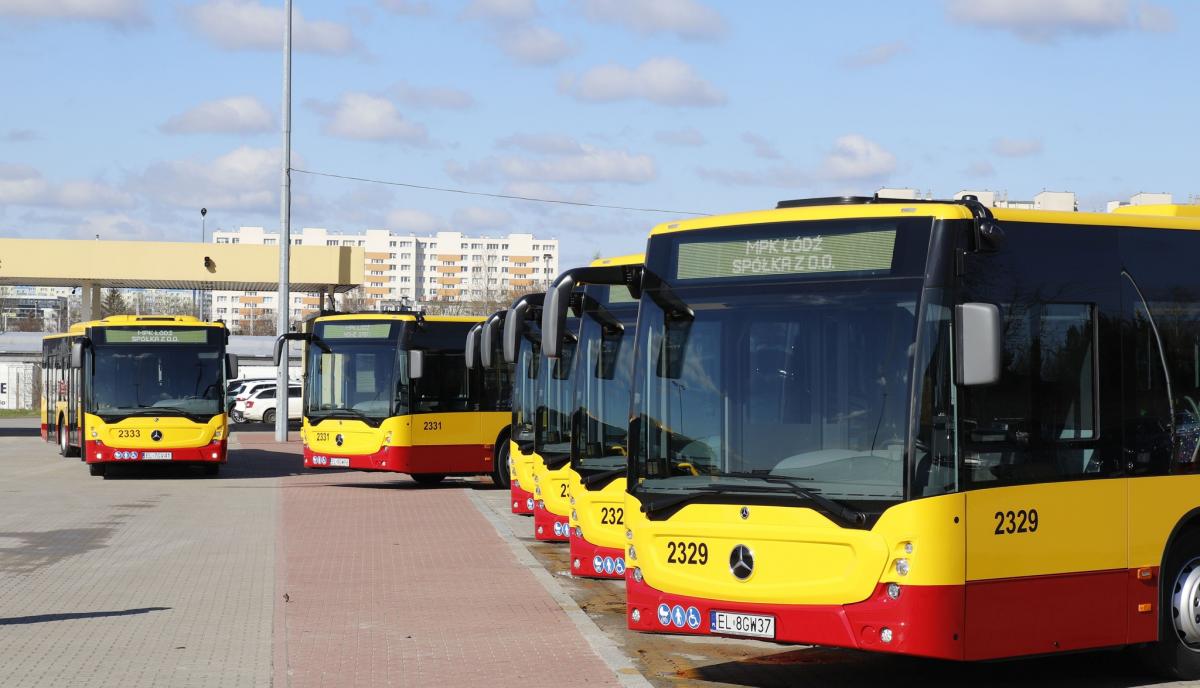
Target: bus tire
{"points": [[269, 417], [64, 441], [1177, 652], [501, 475], [96, 469], [427, 478]]}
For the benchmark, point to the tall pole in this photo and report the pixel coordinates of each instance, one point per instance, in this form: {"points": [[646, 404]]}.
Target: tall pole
{"points": [[285, 229], [203, 213]]}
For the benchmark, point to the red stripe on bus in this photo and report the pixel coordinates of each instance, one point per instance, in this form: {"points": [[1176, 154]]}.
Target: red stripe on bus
{"points": [[469, 459]]}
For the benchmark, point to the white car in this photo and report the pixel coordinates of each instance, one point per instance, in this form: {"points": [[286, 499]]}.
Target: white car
{"points": [[261, 404], [237, 412]]}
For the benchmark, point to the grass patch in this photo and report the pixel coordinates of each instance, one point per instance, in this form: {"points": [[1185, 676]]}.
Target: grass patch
{"points": [[18, 413]]}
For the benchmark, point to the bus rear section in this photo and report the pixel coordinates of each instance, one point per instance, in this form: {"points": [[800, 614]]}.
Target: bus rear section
{"points": [[137, 389], [921, 428], [390, 392]]}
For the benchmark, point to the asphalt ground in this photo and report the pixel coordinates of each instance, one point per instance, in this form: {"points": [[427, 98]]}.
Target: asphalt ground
{"points": [[158, 576]]}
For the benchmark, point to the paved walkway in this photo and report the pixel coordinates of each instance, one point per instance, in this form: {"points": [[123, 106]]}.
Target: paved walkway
{"points": [[391, 584]]}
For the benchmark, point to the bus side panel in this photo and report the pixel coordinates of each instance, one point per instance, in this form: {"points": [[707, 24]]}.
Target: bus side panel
{"points": [[1061, 584], [1156, 505]]}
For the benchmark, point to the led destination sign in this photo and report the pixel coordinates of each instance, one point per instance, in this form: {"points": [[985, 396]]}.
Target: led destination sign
{"points": [[788, 255], [356, 330], [164, 335]]}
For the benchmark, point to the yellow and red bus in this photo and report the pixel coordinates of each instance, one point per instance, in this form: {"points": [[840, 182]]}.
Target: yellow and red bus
{"points": [[928, 428], [391, 392], [138, 388], [603, 372], [522, 349]]}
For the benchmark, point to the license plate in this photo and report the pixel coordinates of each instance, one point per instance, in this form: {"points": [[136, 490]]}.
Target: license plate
{"points": [[732, 623], [344, 463], [156, 456]]}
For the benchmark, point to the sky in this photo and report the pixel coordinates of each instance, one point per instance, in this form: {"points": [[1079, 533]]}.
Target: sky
{"points": [[122, 118]]}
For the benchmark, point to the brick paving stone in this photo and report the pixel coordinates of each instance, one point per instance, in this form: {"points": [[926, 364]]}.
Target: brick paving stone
{"points": [[393, 584]]}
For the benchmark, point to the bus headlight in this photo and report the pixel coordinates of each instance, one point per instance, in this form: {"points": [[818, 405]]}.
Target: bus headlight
{"points": [[885, 634], [387, 439], [94, 433], [537, 491], [893, 590], [908, 548], [217, 434], [572, 501], [633, 553], [637, 575], [574, 515], [902, 567], [628, 534]]}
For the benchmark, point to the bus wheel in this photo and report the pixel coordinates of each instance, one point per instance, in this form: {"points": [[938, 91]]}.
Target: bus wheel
{"points": [[269, 416], [64, 441], [427, 478], [96, 468], [500, 476], [1177, 652]]}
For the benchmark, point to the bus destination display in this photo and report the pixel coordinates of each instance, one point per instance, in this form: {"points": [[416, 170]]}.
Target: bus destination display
{"points": [[164, 335], [788, 255], [356, 330]]}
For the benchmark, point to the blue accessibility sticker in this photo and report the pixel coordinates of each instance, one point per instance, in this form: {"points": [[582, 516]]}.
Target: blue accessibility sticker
{"points": [[664, 614], [693, 618], [597, 563], [609, 566], [678, 616], [619, 565], [557, 528]]}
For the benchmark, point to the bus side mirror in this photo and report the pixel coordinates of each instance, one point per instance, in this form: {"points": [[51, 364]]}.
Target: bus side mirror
{"points": [[471, 348], [554, 316], [512, 330], [416, 364], [487, 341], [231, 366], [977, 343], [77, 354]]}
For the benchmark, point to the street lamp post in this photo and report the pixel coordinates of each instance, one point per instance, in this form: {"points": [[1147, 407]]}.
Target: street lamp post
{"points": [[282, 300], [200, 293]]}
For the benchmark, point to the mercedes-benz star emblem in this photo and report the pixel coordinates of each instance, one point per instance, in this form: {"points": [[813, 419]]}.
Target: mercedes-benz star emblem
{"points": [[741, 562], [156, 435], [745, 512], [338, 439]]}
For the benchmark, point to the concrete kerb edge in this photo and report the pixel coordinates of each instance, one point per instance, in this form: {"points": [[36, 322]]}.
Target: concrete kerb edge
{"points": [[625, 672]]}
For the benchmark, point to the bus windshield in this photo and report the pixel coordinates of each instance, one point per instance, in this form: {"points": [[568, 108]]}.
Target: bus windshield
{"points": [[783, 357], [356, 370], [525, 383], [556, 404], [132, 375], [603, 374]]}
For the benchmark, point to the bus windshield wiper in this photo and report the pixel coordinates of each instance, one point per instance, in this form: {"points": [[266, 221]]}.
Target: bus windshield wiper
{"points": [[603, 476], [656, 506], [840, 512], [345, 413]]}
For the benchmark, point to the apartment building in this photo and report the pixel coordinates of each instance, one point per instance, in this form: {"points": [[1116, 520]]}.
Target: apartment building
{"points": [[402, 270]]}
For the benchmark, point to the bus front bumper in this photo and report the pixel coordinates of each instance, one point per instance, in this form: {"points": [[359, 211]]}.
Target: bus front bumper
{"points": [[595, 561], [549, 526], [522, 499], [213, 452], [923, 621], [439, 459]]}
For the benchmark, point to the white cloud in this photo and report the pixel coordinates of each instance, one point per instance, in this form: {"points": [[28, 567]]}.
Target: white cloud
{"points": [[122, 14], [505, 10], [235, 115], [409, 7], [475, 218], [547, 144], [431, 97], [761, 147], [875, 55], [855, 157], [535, 45], [587, 165], [245, 179], [1016, 148], [576, 194], [680, 137], [687, 19], [371, 118], [663, 80], [24, 185], [1041, 21], [248, 25], [416, 221], [980, 168], [21, 136]]}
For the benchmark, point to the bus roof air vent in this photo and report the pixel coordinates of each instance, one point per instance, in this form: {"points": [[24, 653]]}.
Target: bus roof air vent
{"points": [[829, 200]]}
